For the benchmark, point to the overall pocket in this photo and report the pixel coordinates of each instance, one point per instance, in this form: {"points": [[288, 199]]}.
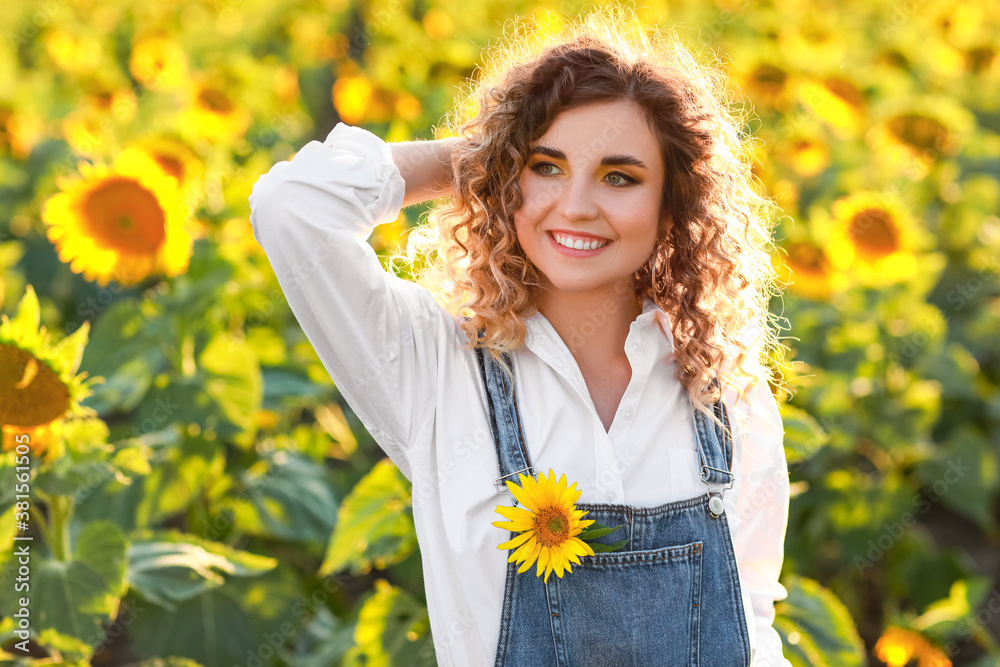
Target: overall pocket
{"points": [[632, 608]]}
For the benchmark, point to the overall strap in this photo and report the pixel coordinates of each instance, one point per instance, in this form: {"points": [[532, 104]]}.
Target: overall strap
{"points": [[505, 420], [715, 450]]}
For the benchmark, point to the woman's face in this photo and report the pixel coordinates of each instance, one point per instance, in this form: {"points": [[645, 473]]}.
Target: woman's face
{"points": [[592, 190]]}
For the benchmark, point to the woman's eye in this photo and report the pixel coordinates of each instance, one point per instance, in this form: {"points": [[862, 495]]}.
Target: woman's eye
{"points": [[624, 179]]}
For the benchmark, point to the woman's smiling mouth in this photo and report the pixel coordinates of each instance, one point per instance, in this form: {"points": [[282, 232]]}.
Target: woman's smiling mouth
{"points": [[577, 245]]}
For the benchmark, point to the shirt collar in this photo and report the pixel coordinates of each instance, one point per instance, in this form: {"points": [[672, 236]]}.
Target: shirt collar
{"points": [[652, 320]]}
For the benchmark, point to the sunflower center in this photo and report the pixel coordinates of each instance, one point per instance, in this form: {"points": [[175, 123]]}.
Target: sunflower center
{"points": [[215, 101], [873, 231], [171, 165], [120, 213], [551, 526], [921, 132], [31, 393], [770, 79], [807, 257], [846, 91]]}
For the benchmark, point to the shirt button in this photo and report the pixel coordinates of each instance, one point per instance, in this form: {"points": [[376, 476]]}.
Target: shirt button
{"points": [[627, 414]]}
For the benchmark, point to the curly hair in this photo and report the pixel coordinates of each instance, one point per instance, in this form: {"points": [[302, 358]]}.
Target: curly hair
{"points": [[711, 273]]}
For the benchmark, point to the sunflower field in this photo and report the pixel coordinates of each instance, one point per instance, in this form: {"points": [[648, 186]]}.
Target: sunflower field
{"points": [[193, 489]]}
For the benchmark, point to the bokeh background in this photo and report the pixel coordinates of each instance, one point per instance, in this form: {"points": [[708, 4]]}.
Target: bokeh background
{"points": [[201, 494]]}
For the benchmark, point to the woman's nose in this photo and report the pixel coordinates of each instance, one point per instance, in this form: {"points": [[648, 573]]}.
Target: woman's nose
{"points": [[576, 199]]}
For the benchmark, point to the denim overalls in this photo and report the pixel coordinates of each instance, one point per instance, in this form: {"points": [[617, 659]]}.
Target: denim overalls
{"points": [[669, 597]]}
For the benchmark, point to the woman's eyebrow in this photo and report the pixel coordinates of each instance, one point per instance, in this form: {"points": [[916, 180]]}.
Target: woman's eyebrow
{"points": [[617, 159]]}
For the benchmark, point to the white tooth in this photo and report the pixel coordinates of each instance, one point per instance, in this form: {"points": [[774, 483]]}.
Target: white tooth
{"points": [[589, 245], [578, 245]]}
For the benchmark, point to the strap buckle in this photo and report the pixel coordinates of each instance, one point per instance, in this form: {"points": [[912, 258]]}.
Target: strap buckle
{"points": [[704, 477], [502, 489], [715, 504]]}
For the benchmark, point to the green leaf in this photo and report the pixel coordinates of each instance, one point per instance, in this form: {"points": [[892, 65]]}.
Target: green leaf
{"points": [[171, 661], [374, 524], [233, 379], [284, 386], [125, 347], [596, 530], [964, 475], [70, 649], [133, 459], [179, 474], [248, 619], [79, 596], [393, 629], [602, 548], [816, 628], [222, 396], [803, 434], [169, 567], [943, 616], [198, 289], [286, 496], [324, 641]]}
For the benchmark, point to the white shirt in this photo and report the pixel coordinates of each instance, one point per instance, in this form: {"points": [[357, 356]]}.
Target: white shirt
{"points": [[396, 356]]}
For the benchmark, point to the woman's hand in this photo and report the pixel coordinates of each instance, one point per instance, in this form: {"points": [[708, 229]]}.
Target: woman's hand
{"points": [[425, 167]]}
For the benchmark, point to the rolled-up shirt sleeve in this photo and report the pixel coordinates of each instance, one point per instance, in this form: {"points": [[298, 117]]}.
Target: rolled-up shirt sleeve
{"points": [[373, 331], [763, 509]]}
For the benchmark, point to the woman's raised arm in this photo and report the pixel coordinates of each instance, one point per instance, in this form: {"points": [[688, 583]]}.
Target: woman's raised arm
{"points": [[425, 167], [378, 336]]}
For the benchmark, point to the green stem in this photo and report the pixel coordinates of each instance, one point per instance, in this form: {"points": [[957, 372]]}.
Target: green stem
{"points": [[62, 513], [39, 519], [185, 353]]}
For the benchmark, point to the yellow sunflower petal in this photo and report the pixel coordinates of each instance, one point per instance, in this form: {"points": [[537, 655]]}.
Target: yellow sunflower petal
{"points": [[517, 541], [572, 494], [512, 512], [524, 550], [578, 546], [535, 490], [531, 557], [558, 565], [520, 519], [522, 495], [543, 560]]}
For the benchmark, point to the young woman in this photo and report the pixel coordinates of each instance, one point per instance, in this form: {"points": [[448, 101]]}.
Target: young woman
{"points": [[594, 305]]}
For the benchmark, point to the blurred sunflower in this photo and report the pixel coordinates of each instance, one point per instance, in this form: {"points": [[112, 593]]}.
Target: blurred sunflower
{"points": [[175, 158], [815, 42], [212, 112], [158, 62], [767, 83], [355, 96], [808, 271], [824, 99], [873, 238], [897, 646], [920, 130], [108, 102], [39, 387], [124, 223], [21, 129], [73, 53], [807, 154], [981, 59]]}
